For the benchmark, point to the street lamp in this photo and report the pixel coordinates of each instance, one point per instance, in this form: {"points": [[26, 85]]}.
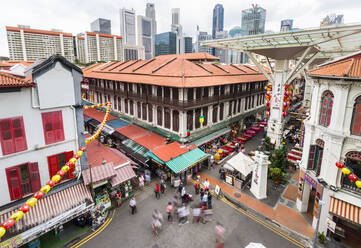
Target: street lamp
{"points": [[321, 203]]}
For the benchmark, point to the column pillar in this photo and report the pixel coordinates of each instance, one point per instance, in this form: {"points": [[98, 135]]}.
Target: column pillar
{"points": [[275, 122]]}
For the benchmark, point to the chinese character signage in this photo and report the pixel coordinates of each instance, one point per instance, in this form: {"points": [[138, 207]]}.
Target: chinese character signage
{"points": [[311, 180]]}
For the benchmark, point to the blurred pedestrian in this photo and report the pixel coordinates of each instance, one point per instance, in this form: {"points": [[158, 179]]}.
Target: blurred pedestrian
{"points": [[133, 205], [169, 212], [209, 200], [162, 187], [183, 194], [183, 213], [141, 182], [219, 231], [206, 184], [197, 186], [157, 191], [196, 214]]}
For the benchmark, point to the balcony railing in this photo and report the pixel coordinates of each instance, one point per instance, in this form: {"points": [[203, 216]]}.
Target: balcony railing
{"points": [[349, 186]]}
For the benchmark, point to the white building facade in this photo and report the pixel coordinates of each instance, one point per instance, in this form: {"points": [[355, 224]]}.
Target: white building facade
{"points": [[333, 134]]}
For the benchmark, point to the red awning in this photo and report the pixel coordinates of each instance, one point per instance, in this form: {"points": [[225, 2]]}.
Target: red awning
{"points": [[123, 174], [99, 173], [49, 207], [345, 210]]}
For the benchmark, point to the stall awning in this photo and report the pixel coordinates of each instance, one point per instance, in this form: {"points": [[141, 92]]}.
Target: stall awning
{"points": [[123, 174], [241, 163], [138, 151], [99, 173], [345, 210], [186, 160], [50, 207], [155, 158], [107, 130], [211, 136], [93, 123], [117, 123]]}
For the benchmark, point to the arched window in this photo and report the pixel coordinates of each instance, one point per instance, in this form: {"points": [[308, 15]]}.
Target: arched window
{"points": [[326, 108], [150, 113], [167, 117], [159, 116], [356, 117]]}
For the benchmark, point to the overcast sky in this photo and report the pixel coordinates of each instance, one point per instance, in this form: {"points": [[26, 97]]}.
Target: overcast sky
{"points": [[75, 16]]}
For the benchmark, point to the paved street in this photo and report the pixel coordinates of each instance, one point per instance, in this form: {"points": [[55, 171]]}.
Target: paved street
{"points": [[129, 231]]}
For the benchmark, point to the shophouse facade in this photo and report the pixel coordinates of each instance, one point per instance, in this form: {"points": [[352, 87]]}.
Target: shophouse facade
{"points": [[333, 134], [171, 92]]}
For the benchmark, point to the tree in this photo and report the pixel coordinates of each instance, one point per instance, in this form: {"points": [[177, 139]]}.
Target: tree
{"points": [[278, 158]]}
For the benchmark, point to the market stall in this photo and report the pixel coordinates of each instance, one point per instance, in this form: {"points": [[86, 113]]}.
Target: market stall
{"points": [[239, 168]]}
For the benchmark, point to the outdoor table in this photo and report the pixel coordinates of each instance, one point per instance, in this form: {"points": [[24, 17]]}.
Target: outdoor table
{"points": [[264, 123]]}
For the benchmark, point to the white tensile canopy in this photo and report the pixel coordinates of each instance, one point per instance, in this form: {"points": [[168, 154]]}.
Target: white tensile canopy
{"points": [[241, 163], [255, 245]]}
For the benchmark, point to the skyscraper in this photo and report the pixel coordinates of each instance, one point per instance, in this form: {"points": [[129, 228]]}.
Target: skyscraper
{"points": [[165, 43], [202, 36], [178, 29], [253, 20], [332, 19], [101, 25], [218, 18], [150, 13], [127, 26], [188, 44], [145, 35], [286, 25]]}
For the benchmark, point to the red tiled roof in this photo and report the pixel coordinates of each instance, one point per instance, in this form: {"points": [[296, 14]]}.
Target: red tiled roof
{"points": [[36, 31], [99, 173], [10, 63], [132, 132], [122, 175], [175, 70], [172, 150], [191, 56], [9, 80], [97, 152], [97, 114], [151, 141], [346, 67]]}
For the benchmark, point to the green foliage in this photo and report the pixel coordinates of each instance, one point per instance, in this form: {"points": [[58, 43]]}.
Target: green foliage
{"points": [[322, 238], [277, 175], [267, 144], [4, 58], [278, 158]]}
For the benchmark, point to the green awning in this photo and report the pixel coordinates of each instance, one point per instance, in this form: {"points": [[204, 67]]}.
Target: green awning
{"points": [[152, 156], [186, 160], [139, 151], [211, 136]]}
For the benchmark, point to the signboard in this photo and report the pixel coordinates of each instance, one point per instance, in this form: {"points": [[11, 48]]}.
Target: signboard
{"points": [[237, 183], [229, 179], [12, 242], [331, 225], [312, 181]]}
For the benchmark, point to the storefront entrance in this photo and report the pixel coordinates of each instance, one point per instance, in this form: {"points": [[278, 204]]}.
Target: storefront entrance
{"points": [[346, 232], [311, 204]]}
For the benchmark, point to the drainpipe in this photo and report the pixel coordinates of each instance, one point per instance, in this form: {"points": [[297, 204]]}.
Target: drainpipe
{"points": [[76, 135]]}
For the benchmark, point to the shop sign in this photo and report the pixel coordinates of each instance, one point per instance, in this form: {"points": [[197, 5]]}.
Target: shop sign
{"points": [[331, 225], [217, 189], [13, 242], [312, 181], [229, 179]]}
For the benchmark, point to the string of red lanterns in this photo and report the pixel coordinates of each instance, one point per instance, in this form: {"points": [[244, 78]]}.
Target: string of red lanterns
{"points": [[347, 172], [286, 100], [56, 178], [268, 97]]}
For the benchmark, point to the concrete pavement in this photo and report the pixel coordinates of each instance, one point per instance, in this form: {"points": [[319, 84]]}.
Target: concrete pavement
{"points": [[126, 230]]}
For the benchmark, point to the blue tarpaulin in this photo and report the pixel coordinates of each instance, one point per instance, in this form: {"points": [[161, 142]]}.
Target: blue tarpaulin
{"points": [[117, 123]]}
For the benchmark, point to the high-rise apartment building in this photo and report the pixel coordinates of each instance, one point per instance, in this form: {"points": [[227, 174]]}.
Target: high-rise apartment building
{"points": [[150, 13], [127, 26], [101, 25], [32, 44], [132, 52], [286, 25], [98, 47], [165, 43], [145, 35], [253, 20], [218, 18]]}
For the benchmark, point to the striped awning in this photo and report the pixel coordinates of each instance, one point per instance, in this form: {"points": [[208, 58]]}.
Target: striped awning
{"points": [[345, 210], [99, 173], [123, 174], [50, 207], [186, 160]]}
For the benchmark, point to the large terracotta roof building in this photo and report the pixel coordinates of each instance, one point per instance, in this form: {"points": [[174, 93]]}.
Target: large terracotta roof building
{"points": [[32, 44], [171, 92]]}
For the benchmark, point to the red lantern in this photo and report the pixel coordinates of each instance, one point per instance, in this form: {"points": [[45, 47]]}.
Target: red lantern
{"points": [[339, 165], [25, 208], [267, 104], [188, 133], [61, 173], [284, 114], [76, 156], [289, 93], [38, 195], [8, 224], [51, 183], [352, 177], [82, 149]]}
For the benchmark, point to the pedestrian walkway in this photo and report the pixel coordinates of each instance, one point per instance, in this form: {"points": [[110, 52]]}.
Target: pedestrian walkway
{"points": [[285, 216]]}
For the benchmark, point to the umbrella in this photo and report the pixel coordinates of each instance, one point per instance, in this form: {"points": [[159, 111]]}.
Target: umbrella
{"points": [[255, 245]]}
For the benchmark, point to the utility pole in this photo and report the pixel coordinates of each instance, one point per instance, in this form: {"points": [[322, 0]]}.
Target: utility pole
{"points": [[318, 223]]}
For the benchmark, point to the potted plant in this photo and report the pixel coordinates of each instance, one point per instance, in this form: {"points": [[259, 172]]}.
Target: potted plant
{"points": [[322, 238]]}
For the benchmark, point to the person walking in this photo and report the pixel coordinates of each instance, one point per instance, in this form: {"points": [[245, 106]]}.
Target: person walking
{"points": [[157, 191], [183, 215], [219, 231], [141, 182], [196, 214], [183, 194], [169, 212], [209, 205], [206, 184], [162, 187], [197, 186], [133, 205]]}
